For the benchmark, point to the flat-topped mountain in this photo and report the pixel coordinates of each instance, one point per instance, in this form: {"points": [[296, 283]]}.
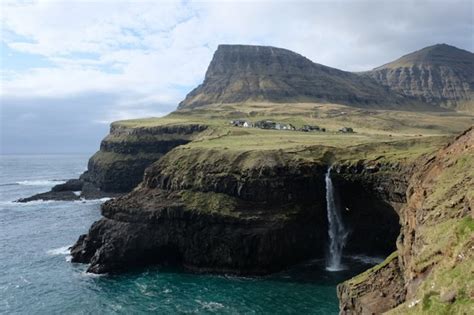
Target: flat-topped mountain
{"points": [[433, 77], [440, 75], [239, 73]]}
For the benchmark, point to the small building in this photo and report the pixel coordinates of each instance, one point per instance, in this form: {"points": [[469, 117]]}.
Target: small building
{"points": [[346, 130], [239, 123], [247, 124], [308, 128], [288, 127]]}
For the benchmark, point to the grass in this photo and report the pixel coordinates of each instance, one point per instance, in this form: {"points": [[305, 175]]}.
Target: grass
{"points": [[210, 202], [450, 248], [330, 116], [379, 134], [371, 126], [360, 278]]}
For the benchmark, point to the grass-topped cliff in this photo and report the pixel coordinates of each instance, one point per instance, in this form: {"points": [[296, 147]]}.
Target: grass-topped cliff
{"points": [[263, 183]]}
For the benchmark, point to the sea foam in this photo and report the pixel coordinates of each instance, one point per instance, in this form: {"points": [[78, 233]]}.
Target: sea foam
{"points": [[41, 182], [59, 251]]}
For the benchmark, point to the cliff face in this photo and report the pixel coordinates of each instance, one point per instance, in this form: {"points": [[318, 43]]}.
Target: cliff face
{"points": [[126, 152], [245, 212], [439, 75], [239, 73], [119, 165], [209, 216], [432, 269]]}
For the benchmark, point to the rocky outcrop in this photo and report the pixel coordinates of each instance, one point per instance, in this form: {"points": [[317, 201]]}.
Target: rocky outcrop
{"points": [[126, 152], [439, 75], [434, 249], [119, 165], [375, 291], [240, 73], [249, 212]]}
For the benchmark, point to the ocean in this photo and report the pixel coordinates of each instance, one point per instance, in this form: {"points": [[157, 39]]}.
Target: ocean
{"points": [[37, 277]]}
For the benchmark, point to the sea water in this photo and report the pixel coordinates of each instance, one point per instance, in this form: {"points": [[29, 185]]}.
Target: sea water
{"points": [[37, 277]]}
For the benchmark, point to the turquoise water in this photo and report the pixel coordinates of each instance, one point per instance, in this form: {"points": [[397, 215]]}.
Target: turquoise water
{"points": [[37, 278]]}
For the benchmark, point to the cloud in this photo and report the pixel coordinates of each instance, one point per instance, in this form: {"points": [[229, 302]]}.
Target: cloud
{"points": [[149, 54], [153, 47]]}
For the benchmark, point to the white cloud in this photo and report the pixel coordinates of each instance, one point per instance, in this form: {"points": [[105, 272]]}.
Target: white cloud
{"points": [[160, 50]]}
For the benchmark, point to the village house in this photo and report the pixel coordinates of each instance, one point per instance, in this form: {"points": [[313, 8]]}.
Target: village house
{"points": [[346, 130], [240, 123], [268, 124]]}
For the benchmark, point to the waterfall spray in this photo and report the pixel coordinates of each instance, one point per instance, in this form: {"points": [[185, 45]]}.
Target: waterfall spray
{"points": [[336, 230]]}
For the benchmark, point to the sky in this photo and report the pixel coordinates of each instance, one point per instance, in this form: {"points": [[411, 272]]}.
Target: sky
{"points": [[69, 68]]}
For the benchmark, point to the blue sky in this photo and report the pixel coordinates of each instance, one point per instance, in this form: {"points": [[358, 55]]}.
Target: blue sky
{"points": [[78, 65]]}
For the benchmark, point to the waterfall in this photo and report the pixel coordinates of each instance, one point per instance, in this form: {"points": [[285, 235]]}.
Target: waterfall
{"points": [[336, 230]]}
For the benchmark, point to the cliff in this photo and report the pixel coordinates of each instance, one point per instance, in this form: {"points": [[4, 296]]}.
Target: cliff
{"points": [[119, 165], [125, 153], [441, 75], [432, 271], [240, 73], [248, 211]]}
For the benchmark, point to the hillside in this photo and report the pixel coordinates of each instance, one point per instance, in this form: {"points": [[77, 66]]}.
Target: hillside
{"points": [[440, 75], [432, 270], [240, 73]]}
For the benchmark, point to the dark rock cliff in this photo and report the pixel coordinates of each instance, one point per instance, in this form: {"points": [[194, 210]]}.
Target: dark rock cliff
{"points": [[245, 213], [239, 73], [126, 152]]}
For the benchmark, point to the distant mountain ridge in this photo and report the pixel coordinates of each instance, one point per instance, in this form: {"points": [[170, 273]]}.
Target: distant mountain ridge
{"points": [[441, 75], [435, 76]]}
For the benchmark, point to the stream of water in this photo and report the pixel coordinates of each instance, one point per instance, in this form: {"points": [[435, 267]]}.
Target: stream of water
{"points": [[336, 229]]}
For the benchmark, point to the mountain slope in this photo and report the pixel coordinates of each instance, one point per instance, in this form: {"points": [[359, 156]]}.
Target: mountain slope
{"points": [[239, 73], [440, 75]]}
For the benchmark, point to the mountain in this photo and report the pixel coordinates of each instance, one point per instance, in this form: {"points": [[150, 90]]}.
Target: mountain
{"points": [[433, 77], [440, 75], [239, 73]]}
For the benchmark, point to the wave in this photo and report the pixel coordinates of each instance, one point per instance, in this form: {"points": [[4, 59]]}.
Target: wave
{"points": [[210, 306], [59, 251], [367, 259], [92, 275], [40, 182]]}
